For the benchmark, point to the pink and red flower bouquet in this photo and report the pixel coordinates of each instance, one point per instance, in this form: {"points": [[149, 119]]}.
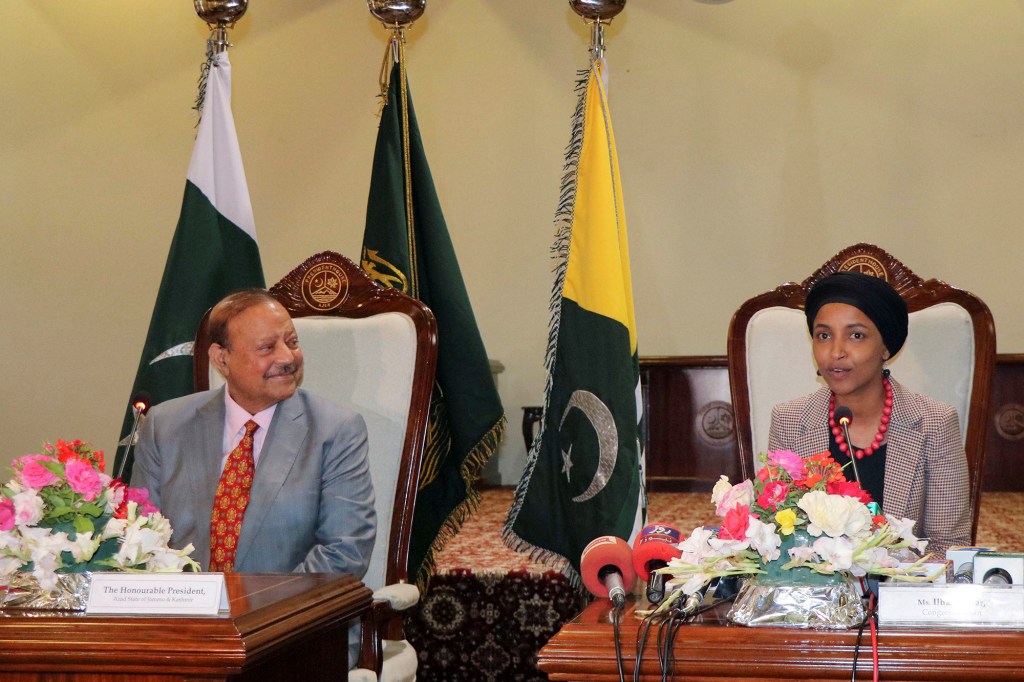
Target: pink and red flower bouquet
{"points": [[789, 495], [62, 514]]}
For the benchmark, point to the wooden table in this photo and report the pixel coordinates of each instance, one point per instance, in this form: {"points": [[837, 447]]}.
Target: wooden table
{"points": [[714, 649], [280, 627]]}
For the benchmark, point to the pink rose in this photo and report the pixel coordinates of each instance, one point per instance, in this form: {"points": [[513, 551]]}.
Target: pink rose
{"points": [[83, 479], [726, 496], [33, 474], [735, 523], [773, 495], [791, 462], [141, 497], [6, 513]]}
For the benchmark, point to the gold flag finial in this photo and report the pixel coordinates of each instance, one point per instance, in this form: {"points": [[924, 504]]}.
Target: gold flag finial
{"points": [[597, 13], [397, 13], [220, 15]]}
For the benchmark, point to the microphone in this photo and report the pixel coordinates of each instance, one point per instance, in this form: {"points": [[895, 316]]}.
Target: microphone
{"points": [[607, 568], [141, 402], [653, 548], [843, 416], [724, 588]]}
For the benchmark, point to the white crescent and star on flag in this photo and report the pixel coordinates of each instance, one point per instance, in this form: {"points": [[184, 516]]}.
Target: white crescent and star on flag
{"points": [[603, 423]]}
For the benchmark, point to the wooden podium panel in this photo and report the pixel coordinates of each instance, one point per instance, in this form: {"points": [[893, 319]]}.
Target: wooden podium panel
{"points": [[283, 627], [689, 435], [1004, 453], [714, 649]]}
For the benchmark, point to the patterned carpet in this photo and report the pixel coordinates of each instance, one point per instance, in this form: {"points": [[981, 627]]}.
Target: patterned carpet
{"points": [[489, 610], [488, 627]]}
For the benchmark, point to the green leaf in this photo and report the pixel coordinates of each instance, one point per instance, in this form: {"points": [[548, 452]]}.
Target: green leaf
{"points": [[54, 467], [83, 524], [90, 508]]}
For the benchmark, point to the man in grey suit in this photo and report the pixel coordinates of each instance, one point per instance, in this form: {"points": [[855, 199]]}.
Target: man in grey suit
{"points": [[311, 501]]}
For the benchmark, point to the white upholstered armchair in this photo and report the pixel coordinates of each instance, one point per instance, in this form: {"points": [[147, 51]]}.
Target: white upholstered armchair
{"points": [[949, 354]]}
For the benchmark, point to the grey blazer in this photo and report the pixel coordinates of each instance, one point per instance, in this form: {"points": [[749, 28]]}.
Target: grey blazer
{"points": [[925, 464], [311, 504]]}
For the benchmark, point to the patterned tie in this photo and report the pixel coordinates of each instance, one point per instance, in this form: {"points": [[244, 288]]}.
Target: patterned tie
{"points": [[230, 501]]}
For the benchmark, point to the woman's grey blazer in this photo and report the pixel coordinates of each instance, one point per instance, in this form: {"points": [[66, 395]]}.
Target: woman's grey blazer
{"points": [[925, 466]]}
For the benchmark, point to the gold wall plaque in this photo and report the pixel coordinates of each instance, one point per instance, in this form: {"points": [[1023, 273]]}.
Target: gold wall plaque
{"points": [[1010, 421], [715, 423]]}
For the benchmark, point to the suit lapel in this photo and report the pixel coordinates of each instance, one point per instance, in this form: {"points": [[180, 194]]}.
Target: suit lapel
{"points": [[903, 454], [813, 436], [204, 449], [284, 441]]}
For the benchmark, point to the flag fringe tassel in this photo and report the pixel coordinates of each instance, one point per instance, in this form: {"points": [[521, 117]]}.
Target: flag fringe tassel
{"points": [[560, 254], [470, 471]]}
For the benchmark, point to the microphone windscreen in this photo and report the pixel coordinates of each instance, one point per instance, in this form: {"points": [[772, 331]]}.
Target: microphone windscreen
{"points": [[603, 555], [142, 400], [843, 413], [656, 542]]}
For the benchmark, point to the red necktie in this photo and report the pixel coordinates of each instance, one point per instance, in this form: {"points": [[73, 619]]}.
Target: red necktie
{"points": [[230, 501]]}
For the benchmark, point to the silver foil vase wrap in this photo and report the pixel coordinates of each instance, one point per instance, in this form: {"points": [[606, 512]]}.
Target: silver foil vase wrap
{"points": [[70, 594], [834, 606]]}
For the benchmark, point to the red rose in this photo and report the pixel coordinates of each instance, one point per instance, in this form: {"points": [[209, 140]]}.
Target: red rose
{"points": [[735, 524], [773, 495], [849, 489]]}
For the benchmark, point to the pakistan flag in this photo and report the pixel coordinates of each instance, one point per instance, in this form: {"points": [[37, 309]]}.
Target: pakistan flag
{"points": [[213, 252]]}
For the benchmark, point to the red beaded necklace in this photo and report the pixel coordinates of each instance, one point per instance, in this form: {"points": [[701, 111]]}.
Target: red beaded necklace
{"points": [[883, 426]]}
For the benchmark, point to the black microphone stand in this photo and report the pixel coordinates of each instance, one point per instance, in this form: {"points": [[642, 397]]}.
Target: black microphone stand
{"points": [[139, 408], [844, 423]]}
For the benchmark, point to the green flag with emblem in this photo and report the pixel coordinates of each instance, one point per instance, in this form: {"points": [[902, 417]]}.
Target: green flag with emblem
{"points": [[213, 252], [584, 473], [406, 246]]}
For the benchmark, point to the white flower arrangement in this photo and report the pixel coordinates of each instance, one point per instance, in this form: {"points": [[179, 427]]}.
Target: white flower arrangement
{"points": [[61, 514], [793, 495]]}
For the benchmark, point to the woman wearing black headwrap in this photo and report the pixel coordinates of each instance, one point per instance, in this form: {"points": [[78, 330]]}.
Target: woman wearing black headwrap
{"points": [[908, 450]]}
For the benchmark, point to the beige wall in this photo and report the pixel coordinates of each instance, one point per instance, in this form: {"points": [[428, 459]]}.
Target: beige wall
{"points": [[756, 138]]}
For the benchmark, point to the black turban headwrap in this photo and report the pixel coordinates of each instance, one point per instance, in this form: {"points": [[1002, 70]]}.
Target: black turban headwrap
{"points": [[872, 296]]}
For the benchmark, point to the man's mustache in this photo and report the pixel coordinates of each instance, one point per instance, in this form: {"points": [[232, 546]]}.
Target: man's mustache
{"points": [[281, 370]]}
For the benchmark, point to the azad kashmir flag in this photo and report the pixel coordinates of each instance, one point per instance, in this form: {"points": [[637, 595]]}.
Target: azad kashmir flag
{"points": [[213, 253], [406, 246], [584, 473]]}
